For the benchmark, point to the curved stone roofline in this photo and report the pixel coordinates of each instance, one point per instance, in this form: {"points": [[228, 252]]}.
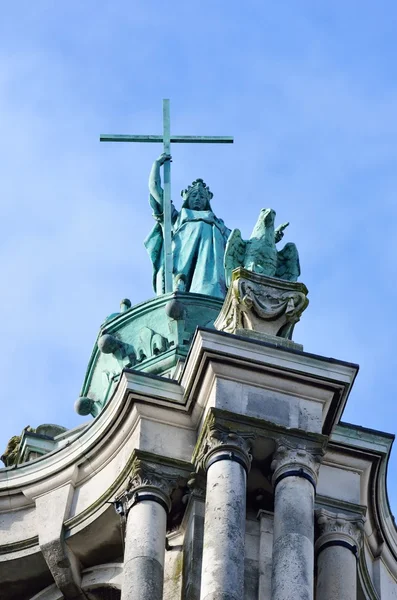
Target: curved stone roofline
{"points": [[165, 391]]}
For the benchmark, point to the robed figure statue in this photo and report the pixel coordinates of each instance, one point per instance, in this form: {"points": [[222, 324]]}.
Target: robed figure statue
{"points": [[198, 239]]}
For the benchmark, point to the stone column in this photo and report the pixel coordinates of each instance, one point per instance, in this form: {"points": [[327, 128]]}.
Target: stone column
{"points": [[145, 507], [294, 479], [226, 460], [337, 551]]}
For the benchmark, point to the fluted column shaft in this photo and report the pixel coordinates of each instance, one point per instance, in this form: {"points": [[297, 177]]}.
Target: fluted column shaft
{"points": [[337, 551], [227, 464], [294, 480]]}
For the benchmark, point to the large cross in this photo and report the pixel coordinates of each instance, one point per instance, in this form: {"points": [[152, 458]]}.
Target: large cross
{"points": [[166, 139]]}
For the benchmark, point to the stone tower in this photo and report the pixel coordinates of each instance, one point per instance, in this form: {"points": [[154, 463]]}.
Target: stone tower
{"points": [[216, 465]]}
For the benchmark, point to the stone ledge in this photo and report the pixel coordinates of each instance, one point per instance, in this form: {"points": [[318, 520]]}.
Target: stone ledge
{"points": [[270, 339]]}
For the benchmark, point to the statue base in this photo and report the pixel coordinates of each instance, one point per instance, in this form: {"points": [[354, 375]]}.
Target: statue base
{"points": [[263, 308]]}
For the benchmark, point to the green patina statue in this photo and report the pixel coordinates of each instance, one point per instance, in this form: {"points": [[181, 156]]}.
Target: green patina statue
{"points": [[204, 250], [259, 253], [198, 239]]}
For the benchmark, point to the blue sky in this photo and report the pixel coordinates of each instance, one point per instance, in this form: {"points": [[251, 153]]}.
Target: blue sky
{"points": [[309, 91]]}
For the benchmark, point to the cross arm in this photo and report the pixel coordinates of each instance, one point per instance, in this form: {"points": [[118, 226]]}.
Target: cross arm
{"points": [[176, 139]]}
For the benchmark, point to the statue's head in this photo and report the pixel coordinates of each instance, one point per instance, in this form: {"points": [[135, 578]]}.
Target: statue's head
{"points": [[197, 196]]}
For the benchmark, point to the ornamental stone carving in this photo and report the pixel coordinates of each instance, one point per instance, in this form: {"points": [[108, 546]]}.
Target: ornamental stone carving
{"points": [[218, 437], [146, 474], [149, 343], [196, 485], [338, 526], [147, 477], [297, 456], [261, 304]]}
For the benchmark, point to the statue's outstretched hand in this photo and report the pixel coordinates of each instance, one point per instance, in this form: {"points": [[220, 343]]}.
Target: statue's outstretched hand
{"points": [[279, 232], [164, 157]]}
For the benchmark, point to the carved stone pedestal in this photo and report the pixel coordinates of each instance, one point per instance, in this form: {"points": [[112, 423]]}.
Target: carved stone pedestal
{"points": [[262, 307]]}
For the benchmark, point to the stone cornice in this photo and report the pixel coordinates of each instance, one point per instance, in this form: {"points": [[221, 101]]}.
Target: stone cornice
{"points": [[327, 381], [339, 506], [51, 469], [258, 427]]}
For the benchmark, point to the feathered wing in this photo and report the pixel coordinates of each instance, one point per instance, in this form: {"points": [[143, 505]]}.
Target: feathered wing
{"points": [[288, 267], [234, 254]]}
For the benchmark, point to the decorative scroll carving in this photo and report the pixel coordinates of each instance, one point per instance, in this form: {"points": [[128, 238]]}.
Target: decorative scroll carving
{"points": [[339, 526], [219, 437], [292, 455], [148, 477], [150, 344], [262, 304], [146, 474]]}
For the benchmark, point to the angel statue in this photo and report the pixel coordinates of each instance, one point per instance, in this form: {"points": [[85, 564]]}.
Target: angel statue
{"points": [[259, 253]]}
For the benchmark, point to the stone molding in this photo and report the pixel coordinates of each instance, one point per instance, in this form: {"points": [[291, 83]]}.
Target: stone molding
{"points": [[219, 439], [292, 456], [339, 527]]}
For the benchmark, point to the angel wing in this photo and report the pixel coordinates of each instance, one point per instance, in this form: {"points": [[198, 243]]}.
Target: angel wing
{"points": [[288, 267], [234, 254]]}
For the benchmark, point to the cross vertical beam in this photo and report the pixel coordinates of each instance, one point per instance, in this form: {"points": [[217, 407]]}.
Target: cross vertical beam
{"points": [[167, 199]]}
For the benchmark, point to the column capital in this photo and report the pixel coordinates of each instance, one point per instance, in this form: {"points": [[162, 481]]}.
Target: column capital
{"points": [[292, 458], [339, 529], [220, 442], [148, 481]]}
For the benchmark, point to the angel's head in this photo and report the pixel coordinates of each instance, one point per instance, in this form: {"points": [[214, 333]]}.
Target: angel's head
{"points": [[197, 196]]}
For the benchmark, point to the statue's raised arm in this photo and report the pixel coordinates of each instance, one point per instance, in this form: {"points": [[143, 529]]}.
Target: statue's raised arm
{"points": [[155, 189]]}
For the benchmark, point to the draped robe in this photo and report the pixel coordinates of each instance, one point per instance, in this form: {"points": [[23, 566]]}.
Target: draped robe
{"points": [[198, 246]]}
